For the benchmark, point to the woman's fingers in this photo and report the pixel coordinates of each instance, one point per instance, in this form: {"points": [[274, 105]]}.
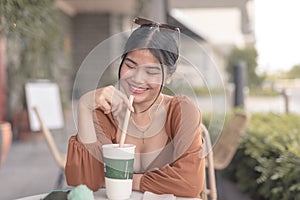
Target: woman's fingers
{"points": [[126, 101], [109, 99], [106, 107], [119, 98]]}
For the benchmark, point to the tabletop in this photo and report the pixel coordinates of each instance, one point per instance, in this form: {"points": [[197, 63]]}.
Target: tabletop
{"points": [[100, 195]]}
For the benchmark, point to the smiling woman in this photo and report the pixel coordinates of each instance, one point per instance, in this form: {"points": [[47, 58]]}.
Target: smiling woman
{"points": [[165, 129]]}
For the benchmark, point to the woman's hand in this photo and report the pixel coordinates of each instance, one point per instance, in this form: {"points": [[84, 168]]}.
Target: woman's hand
{"points": [[136, 181], [108, 99]]}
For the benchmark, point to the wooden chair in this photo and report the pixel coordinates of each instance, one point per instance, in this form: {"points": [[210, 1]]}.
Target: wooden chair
{"points": [[210, 188], [59, 158], [228, 142], [219, 156]]}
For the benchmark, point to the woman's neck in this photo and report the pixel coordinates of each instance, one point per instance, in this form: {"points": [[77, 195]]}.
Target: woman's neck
{"points": [[141, 108], [142, 117]]}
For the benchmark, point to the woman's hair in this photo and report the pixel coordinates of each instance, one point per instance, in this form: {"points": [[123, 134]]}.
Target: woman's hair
{"points": [[161, 42]]}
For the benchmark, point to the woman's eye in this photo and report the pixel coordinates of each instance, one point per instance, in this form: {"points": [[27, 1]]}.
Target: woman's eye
{"points": [[152, 73], [130, 67]]}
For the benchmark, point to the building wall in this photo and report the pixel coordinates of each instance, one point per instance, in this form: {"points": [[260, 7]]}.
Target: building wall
{"points": [[89, 30]]}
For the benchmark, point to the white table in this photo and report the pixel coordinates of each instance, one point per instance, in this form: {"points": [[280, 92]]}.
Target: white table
{"points": [[100, 195]]}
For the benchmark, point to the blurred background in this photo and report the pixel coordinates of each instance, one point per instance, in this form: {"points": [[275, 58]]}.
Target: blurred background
{"points": [[247, 42]]}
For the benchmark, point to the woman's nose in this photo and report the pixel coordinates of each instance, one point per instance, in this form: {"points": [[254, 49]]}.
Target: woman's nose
{"points": [[138, 76]]}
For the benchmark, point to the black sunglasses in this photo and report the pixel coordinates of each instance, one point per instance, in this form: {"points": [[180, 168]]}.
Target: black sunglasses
{"points": [[141, 21]]}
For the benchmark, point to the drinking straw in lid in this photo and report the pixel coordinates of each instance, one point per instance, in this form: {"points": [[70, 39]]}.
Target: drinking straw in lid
{"points": [[125, 124]]}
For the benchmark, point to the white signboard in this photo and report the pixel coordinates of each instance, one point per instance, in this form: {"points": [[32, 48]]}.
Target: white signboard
{"points": [[45, 95]]}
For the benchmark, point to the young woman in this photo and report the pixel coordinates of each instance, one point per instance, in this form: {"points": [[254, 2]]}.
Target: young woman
{"points": [[165, 129]]}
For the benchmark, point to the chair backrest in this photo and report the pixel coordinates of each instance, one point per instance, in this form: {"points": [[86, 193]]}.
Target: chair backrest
{"points": [[210, 188], [59, 158], [227, 144]]}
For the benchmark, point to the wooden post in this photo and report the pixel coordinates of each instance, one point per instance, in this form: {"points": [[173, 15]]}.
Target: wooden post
{"points": [[3, 94]]}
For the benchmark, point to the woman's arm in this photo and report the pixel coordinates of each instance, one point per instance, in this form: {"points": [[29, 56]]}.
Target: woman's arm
{"points": [[82, 167], [185, 175], [107, 99], [84, 158], [136, 181], [183, 178]]}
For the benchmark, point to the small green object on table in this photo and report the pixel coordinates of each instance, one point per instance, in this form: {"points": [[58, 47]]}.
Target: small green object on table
{"points": [[81, 192]]}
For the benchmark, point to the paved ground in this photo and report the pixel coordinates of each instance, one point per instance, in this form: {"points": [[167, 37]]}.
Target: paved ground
{"points": [[29, 169]]}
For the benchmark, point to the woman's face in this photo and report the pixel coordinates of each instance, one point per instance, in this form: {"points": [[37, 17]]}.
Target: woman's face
{"points": [[141, 76]]}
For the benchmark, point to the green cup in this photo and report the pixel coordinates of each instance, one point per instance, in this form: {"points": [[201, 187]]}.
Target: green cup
{"points": [[118, 168], [118, 162]]}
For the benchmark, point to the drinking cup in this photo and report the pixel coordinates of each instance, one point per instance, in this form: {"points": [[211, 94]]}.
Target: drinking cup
{"points": [[118, 168]]}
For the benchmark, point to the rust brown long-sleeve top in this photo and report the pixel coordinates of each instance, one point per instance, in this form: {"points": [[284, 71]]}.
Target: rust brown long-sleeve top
{"points": [[178, 169]]}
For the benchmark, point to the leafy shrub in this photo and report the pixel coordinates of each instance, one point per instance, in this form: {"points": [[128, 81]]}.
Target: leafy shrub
{"points": [[263, 92], [267, 162]]}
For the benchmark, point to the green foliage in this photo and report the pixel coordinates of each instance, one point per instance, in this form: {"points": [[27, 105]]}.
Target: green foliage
{"points": [[36, 45], [294, 72], [263, 92], [249, 56], [203, 91], [27, 18], [267, 162]]}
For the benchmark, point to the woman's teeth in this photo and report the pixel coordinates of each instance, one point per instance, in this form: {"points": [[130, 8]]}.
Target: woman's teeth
{"points": [[138, 89]]}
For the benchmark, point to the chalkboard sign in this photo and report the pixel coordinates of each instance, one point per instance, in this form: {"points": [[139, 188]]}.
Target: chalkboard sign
{"points": [[45, 95]]}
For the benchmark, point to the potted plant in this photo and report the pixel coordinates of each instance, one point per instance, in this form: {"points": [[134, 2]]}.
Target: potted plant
{"points": [[5, 140]]}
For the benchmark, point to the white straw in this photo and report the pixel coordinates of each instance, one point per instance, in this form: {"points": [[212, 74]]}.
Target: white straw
{"points": [[125, 124]]}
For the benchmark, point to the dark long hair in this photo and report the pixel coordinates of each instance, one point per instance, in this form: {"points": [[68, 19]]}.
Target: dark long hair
{"points": [[161, 42]]}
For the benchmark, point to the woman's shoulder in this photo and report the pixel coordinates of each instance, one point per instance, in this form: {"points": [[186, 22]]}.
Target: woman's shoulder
{"points": [[182, 112], [181, 104]]}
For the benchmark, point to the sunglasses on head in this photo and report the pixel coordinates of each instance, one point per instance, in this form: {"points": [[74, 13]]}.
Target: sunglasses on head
{"points": [[146, 22]]}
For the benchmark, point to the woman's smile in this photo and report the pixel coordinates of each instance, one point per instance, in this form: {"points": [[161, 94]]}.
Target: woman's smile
{"points": [[137, 89]]}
